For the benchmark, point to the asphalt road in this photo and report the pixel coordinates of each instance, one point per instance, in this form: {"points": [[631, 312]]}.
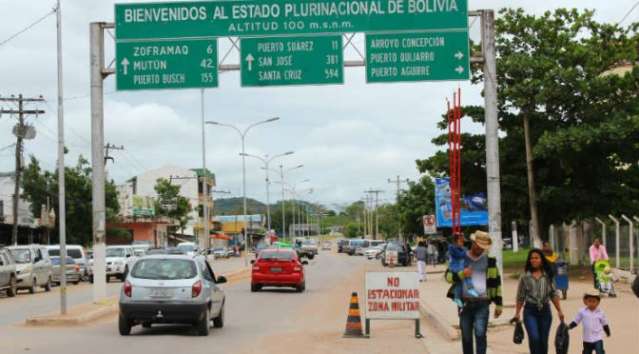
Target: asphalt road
{"points": [[271, 321], [17, 309]]}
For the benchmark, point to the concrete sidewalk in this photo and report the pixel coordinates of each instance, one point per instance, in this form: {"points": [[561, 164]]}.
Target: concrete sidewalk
{"points": [[441, 313]]}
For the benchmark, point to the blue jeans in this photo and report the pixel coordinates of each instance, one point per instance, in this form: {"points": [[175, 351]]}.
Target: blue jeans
{"points": [[474, 318], [597, 347], [537, 323]]}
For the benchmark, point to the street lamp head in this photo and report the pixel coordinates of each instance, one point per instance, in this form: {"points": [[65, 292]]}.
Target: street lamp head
{"points": [[289, 153], [243, 154], [213, 122], [272, 119]]}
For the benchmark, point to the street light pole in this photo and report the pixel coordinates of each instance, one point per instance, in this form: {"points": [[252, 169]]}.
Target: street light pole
{"points": [[266, 160], [243, 138]]}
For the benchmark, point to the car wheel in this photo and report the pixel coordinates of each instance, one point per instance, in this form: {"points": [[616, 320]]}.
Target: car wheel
{"points": [[301, 288], [76, 282], [12, 290], [218, 322], [108, 278], [204, 325], [311, 256], [146, 325], [47, 286], [255, 288], [124, 326], [32, 289]]}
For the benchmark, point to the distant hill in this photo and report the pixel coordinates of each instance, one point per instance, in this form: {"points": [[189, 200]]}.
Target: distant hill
{"points": [[235, 206]]}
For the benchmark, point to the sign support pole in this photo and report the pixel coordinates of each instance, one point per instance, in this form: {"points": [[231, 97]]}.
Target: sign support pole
{"points": [[492, 138], [97, 155]]}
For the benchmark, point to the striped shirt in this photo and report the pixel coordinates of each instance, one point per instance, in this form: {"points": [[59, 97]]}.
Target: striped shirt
{"points": [[535, 292]]}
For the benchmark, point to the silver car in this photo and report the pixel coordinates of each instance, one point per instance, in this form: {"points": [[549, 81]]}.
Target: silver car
{"points": [[33, 267], [8, 278], [171, 289], [72, 271]]}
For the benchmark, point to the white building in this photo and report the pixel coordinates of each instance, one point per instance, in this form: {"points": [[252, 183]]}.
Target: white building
{"points": [[25, 217], [143, 186]]}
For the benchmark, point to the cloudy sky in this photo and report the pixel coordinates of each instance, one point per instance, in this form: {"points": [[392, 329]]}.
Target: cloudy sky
{"points": [[349, 137]]}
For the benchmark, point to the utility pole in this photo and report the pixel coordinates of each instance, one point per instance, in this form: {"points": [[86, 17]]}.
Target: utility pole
{"points": [[22, 132], [205, 240], [62, 212], [398, 182], [375, 200], [492, 129], [107, 149]]}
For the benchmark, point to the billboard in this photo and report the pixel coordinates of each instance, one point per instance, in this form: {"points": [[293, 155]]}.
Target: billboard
{"points": [[474, 207], [142, 207]]}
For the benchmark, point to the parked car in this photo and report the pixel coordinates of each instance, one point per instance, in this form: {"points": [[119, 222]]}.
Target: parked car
{"points": [[72, 272], [279, 267], [189, 248], [362, 247], [79, 255], [171, 289], [327, 246], [341, 244], [119, 259], [403, 255], [33, 267], [353, 244], [374, 252], [221, 252], [8, 275]]}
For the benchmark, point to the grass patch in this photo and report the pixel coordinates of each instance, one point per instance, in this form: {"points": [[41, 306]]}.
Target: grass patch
{"points": [[515, 261]]}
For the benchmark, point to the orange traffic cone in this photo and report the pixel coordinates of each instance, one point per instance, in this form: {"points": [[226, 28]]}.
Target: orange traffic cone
{"points": [[354, 320]]}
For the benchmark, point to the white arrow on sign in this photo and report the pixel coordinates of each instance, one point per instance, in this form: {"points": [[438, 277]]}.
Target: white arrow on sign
{"points": [[249, 60], [125, 66], [459, 69], [459, 55]]}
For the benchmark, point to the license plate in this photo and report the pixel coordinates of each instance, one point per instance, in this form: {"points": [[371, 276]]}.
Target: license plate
{"points": [[160, 292], [276, 270]]}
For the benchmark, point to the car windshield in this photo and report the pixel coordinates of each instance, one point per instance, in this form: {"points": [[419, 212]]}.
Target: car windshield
{"points": [[309, 242], [276, 255], [139, 253], [164, 269], [218, 249], [71, 252], [115, 252], [21, 255], [186, 248]]}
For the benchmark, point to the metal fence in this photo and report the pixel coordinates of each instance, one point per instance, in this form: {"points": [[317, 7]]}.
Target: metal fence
{"points": [[573, 241]]}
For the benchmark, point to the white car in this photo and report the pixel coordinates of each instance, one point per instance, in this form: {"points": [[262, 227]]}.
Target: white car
{"points": [[172, 289], [188, 248], [33, 267], [373, 252], [119, 260]]}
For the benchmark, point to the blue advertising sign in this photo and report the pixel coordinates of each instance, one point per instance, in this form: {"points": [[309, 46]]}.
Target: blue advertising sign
{"points": [[474, 211]]}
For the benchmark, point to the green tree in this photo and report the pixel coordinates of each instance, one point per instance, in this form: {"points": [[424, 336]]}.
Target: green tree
{"points": [[583, 123], [38, 185], [414, 203], [171, 204]]}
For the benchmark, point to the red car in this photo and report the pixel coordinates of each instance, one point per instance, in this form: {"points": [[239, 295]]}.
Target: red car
{"points": [[279, 267]]}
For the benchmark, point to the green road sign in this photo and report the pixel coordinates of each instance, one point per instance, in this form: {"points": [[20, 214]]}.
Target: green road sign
{"points": [[425, 56], [292, 61], [284, 17], [167, 64]]}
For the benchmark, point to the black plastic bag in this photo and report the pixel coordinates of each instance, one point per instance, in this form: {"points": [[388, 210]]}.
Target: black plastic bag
{"points": [[562, 339], [635, 286], [518, 334]]}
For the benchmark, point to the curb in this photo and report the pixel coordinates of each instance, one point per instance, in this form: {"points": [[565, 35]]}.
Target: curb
{"points": [[439, 323], [59, 320]]}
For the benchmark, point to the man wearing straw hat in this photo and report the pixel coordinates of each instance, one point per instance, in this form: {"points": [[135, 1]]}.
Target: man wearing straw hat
{"points": [[482, 270]]}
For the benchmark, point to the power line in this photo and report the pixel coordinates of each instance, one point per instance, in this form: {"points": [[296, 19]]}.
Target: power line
{"points": [[35, 23], [628, 13]]}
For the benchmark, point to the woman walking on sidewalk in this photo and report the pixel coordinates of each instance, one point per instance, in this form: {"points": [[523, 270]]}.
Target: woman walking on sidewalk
{"points": [[535, 292]]}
